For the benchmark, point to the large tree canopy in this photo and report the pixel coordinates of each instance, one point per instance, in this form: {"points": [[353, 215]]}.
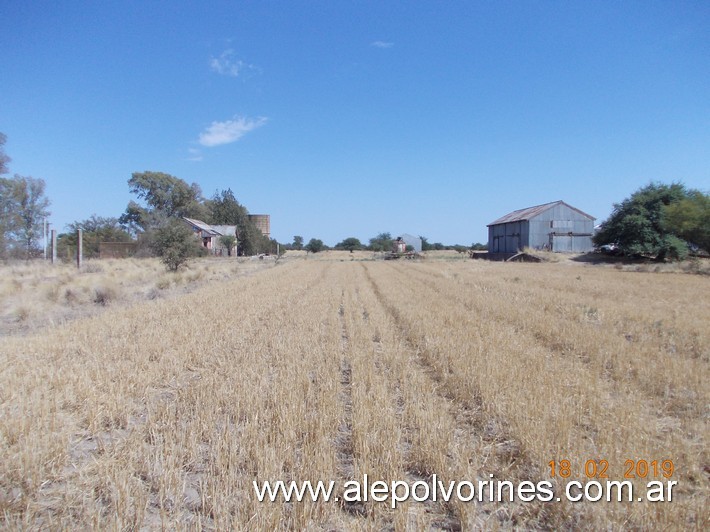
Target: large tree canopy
{"points": [[351, 244], [637, 224], [226, 210], [165, 196], [689, 218], [381, 242], [315, 245]]}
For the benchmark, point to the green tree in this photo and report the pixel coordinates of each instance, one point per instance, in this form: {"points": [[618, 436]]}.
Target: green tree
{"points": [[426, 246], [23, 208], [636, 224], [226, 210], [351, 244], [381, 242], [297, 242], [689, 219], [315, 245], [175, 243], [228, 241], [165, 196]]}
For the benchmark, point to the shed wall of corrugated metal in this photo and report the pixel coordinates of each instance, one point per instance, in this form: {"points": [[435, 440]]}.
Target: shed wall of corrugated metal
{"points": [[507, 237], [558, 227], [413, 241]]}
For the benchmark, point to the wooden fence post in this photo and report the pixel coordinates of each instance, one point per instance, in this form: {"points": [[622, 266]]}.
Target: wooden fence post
{"points": [[78, 248], [54, 246]]}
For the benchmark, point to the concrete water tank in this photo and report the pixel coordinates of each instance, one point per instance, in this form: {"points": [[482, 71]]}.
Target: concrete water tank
{"points": [[262, 223]]}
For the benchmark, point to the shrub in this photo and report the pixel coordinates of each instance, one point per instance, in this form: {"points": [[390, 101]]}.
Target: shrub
{"points": [[104, 294], [22, 313], [163, 283], [315, 245], [174, 243]]}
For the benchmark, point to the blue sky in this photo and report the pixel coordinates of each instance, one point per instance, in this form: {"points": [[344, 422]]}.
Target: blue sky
{"points": [[352, 118]]}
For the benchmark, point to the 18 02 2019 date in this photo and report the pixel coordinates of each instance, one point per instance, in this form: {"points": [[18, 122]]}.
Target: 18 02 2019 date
{"points": [[600, 469]]}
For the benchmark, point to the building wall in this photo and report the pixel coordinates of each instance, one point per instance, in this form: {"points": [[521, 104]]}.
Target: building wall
{"points": [[117, 250], [558, 228], [510, 237], [552, 228], [572, 243], [561, 229], [413, 241]]}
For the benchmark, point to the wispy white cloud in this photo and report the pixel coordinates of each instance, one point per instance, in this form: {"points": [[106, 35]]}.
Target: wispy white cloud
{"points": [[194, 154], [219, 133], [228, 65], [382, 44]]}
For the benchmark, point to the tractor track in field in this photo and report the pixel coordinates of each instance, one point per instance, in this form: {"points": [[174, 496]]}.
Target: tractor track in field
{"points": [[501, 449], [626, 331], [444, 515], [344, 439], [439, 515], [587, 354]]}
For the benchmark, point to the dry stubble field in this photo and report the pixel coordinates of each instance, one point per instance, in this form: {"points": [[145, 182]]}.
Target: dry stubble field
{"points": [[162, 412]]}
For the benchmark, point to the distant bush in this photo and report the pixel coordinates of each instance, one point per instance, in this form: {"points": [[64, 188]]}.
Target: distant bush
{"points": [[174, 243], [22, 313], [163, 283], [104, 294], [315, 245]]}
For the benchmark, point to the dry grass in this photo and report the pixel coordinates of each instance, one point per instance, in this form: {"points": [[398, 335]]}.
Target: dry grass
{"points": [[37, 295], [160, 412]]}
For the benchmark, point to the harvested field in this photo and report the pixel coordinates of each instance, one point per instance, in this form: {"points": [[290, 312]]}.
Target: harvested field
{"points": [[163, 412]]}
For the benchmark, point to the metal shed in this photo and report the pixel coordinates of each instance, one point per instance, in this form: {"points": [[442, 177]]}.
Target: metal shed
{"points": [[414, 241], [554, 226]]}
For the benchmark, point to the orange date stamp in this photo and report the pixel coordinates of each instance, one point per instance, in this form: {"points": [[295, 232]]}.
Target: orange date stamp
{"points": [[600, 469]]}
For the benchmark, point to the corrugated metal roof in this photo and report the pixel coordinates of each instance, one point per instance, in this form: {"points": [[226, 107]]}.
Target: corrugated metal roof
{"points": [[212, 230], [202, 226], [531, 212], [225, 229]]}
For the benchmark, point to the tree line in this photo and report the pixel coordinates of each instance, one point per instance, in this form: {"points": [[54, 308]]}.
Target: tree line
{"points": [[154, 221], [664, 222], [380, 242]]}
